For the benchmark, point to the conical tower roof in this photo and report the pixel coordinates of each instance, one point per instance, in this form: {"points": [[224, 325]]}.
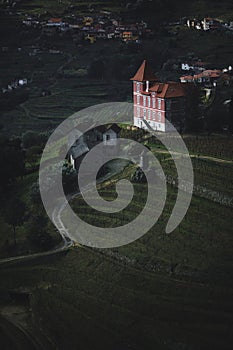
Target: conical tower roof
{"points": [[145, 73]]}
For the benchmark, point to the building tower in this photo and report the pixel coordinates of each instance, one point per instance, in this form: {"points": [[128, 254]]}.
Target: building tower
{"points": [[156, 102]]}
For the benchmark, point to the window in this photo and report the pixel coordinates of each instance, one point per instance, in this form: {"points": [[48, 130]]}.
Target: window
{"points": [[149, 114], [138, 87], [138, 112], [159, 116], [148, 99], [154, 115], [144, 113], [153, 102], [144, 101], [138, 99], [159, 103]]}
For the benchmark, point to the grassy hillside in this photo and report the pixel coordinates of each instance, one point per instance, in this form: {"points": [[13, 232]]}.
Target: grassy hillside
{"points": [[160, 292]]}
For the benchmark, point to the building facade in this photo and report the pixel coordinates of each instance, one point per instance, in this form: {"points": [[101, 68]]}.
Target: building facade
{"points": [[155, 103], [108, 134]]}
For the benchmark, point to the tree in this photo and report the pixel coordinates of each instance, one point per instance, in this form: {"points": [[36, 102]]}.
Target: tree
{"points": [[12, 160], [70, 179], [34, 195], [14, 214], [38, 232], [32, 138], [193, 121], [32, 154], [97, 69]]}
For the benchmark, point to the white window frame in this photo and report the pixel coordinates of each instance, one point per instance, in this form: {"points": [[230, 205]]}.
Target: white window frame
{"points": [[144, 113], [138, 87], [149, 101], [159, 103], [159, 116], [144, 101], [138, 112], [153, 102], [149, 114], [138, 99]]}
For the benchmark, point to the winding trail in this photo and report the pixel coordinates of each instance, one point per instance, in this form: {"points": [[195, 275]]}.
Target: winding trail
{"points": [[213, 159], [67, 242]]}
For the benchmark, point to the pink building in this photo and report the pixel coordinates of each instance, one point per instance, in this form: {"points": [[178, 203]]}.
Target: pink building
{"points": [[156, 102]]}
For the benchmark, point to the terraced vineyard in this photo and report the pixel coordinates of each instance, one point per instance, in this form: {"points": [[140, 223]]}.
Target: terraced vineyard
{"points": [[219, 146], [160, 292], [209, 174], [68, 97], [183, 247]]}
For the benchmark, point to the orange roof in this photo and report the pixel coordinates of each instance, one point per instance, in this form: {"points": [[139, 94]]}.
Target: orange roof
{"points": [[145, 73], [169, 90], [187, 77], [211, 73], [55, 20], [158, 87], [196, 76], [200, 63]]}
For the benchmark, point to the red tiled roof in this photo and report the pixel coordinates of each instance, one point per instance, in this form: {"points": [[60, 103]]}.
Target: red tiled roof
{"points": [[211, 73], [200, 63], [158, 87], [55, 20], [187, 77], [169, 90], [146, 93], [145, 73]]}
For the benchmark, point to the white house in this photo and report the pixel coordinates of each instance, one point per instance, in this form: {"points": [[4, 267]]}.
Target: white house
{"points": [[108, 135], [111, 135], [186, 66]]}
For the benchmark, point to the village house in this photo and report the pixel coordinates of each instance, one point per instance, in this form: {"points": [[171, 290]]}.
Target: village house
{"points": [[196, 66], [129, 36], [101, 34], [111, 134], [206, 24], [15, 84], [106, 134], [55, 22], [208, 77], [195, 23], [210, 24], [97, 26], [88, 21], [155, 103], [91, 37]]}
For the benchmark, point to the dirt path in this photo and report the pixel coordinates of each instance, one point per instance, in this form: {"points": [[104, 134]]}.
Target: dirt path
{"points": [[213, 159]]}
